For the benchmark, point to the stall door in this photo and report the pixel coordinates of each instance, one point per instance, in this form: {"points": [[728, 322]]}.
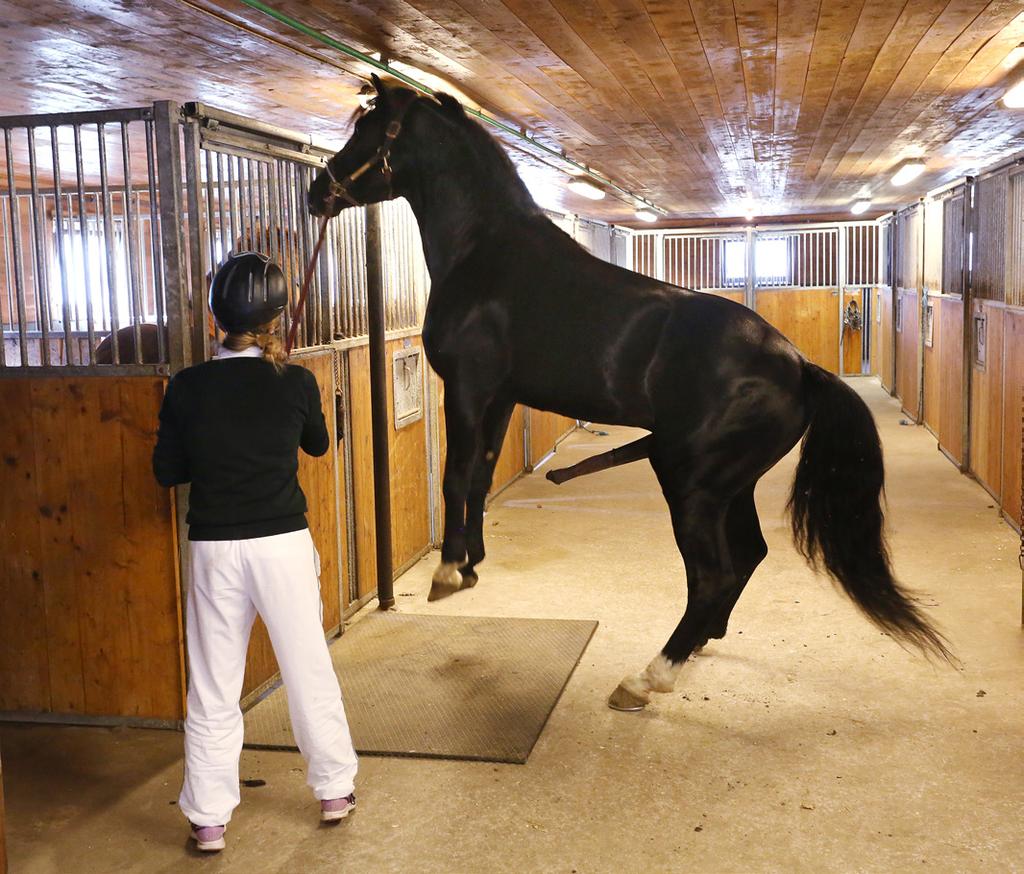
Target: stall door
{"points": [[322, 481]]}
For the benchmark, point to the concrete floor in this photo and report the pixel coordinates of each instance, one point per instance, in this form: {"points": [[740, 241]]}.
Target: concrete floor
{"points": [[804, 741]]}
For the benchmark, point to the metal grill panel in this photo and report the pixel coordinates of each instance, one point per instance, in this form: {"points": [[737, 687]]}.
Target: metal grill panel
{"points": [[79, 242]]}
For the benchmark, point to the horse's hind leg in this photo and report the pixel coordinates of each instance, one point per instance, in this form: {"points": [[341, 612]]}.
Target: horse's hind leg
{"points": [[747, 550], [495, 425], [699, 523]]}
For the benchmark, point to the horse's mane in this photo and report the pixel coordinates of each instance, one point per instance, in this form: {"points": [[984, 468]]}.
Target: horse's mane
{"points": [[491, 160]]}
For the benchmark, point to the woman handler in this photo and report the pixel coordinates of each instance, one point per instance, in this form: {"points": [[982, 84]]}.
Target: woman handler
{"points": [[232, 428]]}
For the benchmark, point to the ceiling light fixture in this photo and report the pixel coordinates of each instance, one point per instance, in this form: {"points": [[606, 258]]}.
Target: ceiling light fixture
{"points": [[1014, 98], [1015, 56], [860, 206], [646, 215], [908, 171], [586, 189]]}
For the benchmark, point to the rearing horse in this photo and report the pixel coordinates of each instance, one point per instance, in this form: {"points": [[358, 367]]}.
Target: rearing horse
{"points": [[519, 312]]}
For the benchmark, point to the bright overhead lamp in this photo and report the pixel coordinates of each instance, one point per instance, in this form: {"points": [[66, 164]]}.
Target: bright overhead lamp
{"points": [[1015, 56], [908, 172], [586, 189], [1014, 98], [646, 215], [860, 206]]}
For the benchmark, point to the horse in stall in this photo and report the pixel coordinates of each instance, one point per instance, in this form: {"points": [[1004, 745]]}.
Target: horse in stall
{"points": [[519, 312]]}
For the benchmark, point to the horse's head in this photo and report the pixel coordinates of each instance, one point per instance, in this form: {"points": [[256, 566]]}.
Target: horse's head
{"points": [[362, 171]]}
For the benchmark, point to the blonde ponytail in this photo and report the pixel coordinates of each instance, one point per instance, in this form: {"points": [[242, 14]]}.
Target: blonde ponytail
{"points": [[266, 337]]}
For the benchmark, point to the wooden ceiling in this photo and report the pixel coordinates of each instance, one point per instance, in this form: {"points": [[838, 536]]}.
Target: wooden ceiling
{"points": [[796, 106]]}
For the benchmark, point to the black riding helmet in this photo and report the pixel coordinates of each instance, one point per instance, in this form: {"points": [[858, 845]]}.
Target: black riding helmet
{"points": [[248, 291]]}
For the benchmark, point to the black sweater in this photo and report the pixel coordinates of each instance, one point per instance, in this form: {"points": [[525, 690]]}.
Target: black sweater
{"points": [[232, 427]]}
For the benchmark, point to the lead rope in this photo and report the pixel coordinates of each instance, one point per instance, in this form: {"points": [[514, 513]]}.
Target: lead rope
{"points": [[301, 305]]}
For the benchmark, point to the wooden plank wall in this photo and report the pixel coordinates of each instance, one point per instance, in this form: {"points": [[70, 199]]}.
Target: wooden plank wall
{"points": [[907, 342], [546, 430], [851, 340], [320, 479], [1013, 411], [512, 460], [735, 296], [90, 621], [3, 820], [949, 328], [987, 402], [876, 330], [410, 498], [931, 415], [885, 354], [809, 317]]}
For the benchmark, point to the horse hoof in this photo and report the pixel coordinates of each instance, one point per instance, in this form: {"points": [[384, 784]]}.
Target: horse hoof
{"points": [[626, 701], [469, 579], [447, 581]]}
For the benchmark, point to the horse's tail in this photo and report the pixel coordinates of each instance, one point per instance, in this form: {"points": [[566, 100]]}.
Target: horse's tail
{"points": [[836, 509]]}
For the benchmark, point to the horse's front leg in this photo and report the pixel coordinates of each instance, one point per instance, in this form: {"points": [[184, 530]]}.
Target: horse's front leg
{"points": [[464, 415], [495, 425]]}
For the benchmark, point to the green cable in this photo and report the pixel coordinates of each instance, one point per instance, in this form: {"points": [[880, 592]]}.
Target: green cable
{"points": [[295, 24]]}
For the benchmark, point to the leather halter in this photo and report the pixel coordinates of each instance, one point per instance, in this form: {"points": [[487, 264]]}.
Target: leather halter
{"points": [[339, 187]]}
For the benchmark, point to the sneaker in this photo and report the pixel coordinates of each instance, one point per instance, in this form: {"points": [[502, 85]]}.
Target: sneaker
{"points": [[333, 809], [208, 838]]}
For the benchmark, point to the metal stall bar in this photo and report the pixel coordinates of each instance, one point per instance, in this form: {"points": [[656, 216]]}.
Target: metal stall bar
{"points": [[172, 246], [58, 215], [83, 226], [154, 236], [108, 243], [233, 208], [286, 240], [134, 289], [41, 286], [19, 267], [379, 410], [9, 286], [200, 260]]}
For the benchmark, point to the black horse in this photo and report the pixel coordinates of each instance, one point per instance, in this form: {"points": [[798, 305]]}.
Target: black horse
{"points": [[519, 312]]}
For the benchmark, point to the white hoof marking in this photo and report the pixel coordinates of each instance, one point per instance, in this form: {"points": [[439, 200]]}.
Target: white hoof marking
{"points": [[660, 674]]}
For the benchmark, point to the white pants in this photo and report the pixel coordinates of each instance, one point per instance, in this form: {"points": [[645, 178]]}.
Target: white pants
{"points": [[232, 580]]}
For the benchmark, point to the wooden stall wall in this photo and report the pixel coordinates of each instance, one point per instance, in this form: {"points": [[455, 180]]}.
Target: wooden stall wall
{"points": [[987, 400], [410, 490], [3, 826], [885, 340], [809, 317], [908, 340], [1013, 411], [512, 460], [322, 483], [546, 430], [949, 327], [90, 619], [735, 296], [931, 415], [851, 341], [876, 331]]}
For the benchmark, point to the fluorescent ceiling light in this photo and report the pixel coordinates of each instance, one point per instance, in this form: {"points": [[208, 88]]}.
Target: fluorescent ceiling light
{"points": [[860, 206], [1015, 56], [586, 189], [1014, 98], [908, 172], [646, 215]]}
